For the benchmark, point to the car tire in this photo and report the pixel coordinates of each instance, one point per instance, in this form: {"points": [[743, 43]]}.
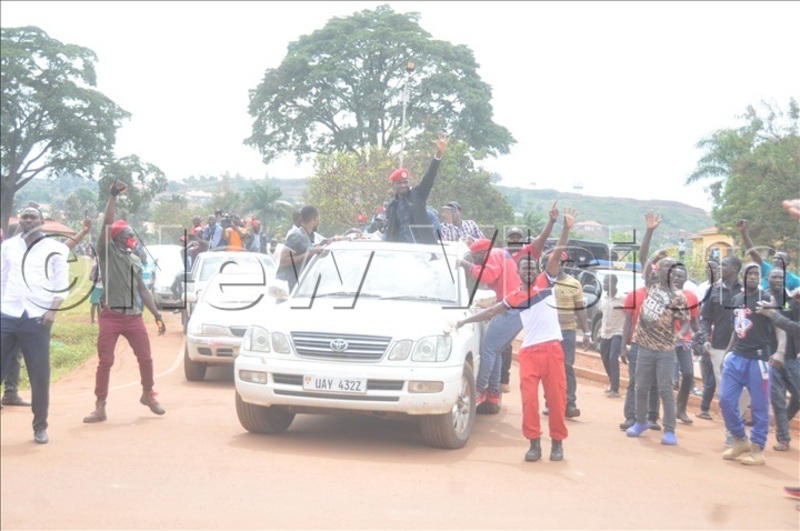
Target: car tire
{"points": [[194, 371], [452, 430], [598, 322], [262, 419]]}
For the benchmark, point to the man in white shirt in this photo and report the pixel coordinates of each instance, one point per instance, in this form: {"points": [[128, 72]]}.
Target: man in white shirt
{"points": [[33, 284]]}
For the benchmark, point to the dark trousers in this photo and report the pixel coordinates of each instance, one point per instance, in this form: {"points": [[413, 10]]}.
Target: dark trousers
{"points": [[11, 381], [30, 335], [505, 370], [709, 383], [609, 353], [131, 327], [686, 364]]}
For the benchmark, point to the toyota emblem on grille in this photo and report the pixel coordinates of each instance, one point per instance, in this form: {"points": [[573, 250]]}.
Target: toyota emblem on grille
{"points": [[338, 345]]}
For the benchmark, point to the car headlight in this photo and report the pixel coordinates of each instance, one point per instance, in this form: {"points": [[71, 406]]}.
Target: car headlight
{"points": [[280, 343], [432, 348], [256, 339], [401, 350]]}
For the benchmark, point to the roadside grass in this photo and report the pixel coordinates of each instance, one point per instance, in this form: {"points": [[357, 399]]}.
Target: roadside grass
{"points": [[73, 339]]}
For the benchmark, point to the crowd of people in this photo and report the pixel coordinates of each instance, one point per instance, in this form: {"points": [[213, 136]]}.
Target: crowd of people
{"points": [[742, 324]]}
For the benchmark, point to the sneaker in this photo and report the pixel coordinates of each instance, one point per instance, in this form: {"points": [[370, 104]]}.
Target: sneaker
{"points": [[613, 394], [669, 438], [782, 446], [627, 424], [149, 399], [728, 440], [738, 447], [655, 426], [755, 457], [480, 397], [572, 412], [607, 390], [705, 415], [492, 404], [697, 392], [636, 430], [505, 388]]}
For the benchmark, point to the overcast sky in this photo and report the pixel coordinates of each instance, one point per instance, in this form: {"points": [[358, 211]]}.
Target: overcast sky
{"points": [[611, 95]]}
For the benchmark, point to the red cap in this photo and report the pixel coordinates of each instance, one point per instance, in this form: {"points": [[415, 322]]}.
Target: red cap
{"points": [[361, 217], [255, 223], [117, 227], [480, 245], [399, 174]]}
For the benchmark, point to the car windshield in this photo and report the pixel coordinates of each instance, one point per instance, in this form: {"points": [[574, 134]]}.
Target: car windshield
{"points": [[242, 261], [386, 274], [167, 260]]}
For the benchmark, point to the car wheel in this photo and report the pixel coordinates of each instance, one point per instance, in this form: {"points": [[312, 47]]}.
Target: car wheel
{"points": [[452, 430], [194, 370], [263, 419], [596, 332]]}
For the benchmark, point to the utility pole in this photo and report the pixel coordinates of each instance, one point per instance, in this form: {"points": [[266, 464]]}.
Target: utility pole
{"points": [[410, 67]]}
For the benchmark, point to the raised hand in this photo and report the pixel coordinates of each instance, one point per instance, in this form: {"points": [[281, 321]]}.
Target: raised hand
{"points": [[118, 187], [87, 223], [553, 212], [441, 144], [652, 220], [569, 217], [741, 225]]}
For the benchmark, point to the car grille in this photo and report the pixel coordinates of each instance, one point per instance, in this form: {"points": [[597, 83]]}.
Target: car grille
{"points": [[238, 331], [359, 348]]}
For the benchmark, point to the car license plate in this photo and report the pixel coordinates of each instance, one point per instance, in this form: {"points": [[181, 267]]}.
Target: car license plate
{"points": [[336, 385]]}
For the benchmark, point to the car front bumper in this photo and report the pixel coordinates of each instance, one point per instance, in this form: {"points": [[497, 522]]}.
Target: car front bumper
{"points": [[216, 350], [387, 385]]}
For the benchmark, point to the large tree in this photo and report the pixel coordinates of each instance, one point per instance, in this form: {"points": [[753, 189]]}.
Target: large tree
{"points": [[753, 168], [52, 119], [340, 89], [261, 199]]}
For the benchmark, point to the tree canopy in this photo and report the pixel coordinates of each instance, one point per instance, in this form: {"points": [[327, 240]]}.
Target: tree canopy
{"points": [[52, 119], [340, 89], [752, 169], [144, 182]]}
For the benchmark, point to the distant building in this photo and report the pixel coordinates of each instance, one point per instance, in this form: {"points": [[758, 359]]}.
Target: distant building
{"points": [[198, 196], [591, 228], [710, 242]]}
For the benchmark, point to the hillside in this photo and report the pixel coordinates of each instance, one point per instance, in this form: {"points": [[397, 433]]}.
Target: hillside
{"points": [[678, 219]]}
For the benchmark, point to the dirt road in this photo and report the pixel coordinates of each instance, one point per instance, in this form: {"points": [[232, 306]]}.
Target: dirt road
{"points": [[197, 468]]}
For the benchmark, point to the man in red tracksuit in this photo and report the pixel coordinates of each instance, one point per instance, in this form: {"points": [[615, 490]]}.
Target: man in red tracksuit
{"points": [[541, 357]]}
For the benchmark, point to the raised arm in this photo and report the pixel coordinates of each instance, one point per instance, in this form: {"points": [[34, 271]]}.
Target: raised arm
{"points": [[536, 246], [484, 315], [554, 261], [111, 209], [75, 240], [426, 183], [741, 226], [652, 221]]}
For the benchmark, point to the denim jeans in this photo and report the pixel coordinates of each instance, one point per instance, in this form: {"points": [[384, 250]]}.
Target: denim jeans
{"points": [[739, 373], [609, 353], [787, 378], [500, 333], [687, 377], [568, 345], [29, 334], [654, 367], [630, 395]]}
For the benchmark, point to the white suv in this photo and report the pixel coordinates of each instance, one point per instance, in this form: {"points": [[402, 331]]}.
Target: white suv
{"points": [[367, 329]]}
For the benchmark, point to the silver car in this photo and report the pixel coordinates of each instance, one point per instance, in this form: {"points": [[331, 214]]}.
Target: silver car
{"points": [[226, 306]]}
